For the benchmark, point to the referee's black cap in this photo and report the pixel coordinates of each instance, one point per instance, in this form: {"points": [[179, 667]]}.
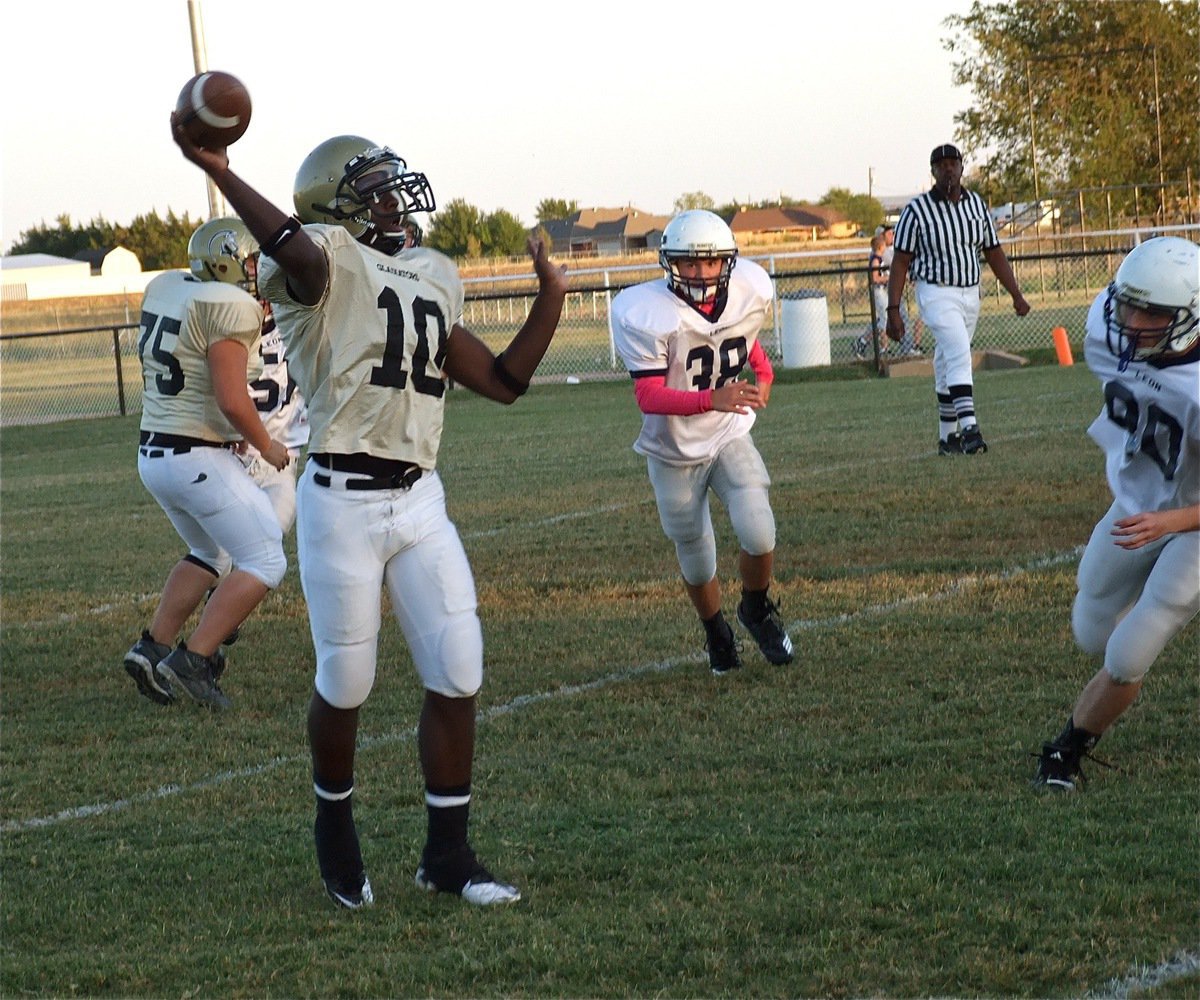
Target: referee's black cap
{"points": [[944, 152]]}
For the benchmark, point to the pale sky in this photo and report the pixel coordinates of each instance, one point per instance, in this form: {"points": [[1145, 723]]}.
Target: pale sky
{"points": [[500, 104]]}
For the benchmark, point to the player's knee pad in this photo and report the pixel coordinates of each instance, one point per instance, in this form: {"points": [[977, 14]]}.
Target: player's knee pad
{"points": [[1124, 671], [269, 566], [346, 672], [697, 558], [215, 562], [753, 521], [450, 660], [1091, 628]]}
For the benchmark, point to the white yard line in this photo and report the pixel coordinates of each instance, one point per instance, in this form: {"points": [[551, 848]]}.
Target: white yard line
{"points": [[1146, 977], [954, 589]]}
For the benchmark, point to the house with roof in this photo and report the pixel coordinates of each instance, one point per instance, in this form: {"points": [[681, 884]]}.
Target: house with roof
{"points": [[791, 223], [596, 232]]}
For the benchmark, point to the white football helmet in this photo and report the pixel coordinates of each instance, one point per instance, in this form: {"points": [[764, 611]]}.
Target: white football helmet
{"points": [[1161, 277], [223, 249], [340, 179], [698, 235]]}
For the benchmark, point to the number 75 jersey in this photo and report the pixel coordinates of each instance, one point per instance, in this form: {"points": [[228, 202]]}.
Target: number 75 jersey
{"points": [[1149, 428], [658, 334], [368, 357]]}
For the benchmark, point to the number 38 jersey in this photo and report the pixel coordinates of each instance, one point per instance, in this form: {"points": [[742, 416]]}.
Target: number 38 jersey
{"points": [[368, 357], [182, 317], [657, 333], [1149, 427]]}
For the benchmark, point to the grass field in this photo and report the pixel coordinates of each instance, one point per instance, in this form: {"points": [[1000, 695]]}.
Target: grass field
{"points": [[859, 824]]}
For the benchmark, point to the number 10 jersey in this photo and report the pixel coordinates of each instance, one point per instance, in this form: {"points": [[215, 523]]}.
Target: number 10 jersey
{"points": [[368, 356]]}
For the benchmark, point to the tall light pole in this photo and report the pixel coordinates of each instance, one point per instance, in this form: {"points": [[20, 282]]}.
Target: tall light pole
{"points": [[1162, 180], [216, 202]]}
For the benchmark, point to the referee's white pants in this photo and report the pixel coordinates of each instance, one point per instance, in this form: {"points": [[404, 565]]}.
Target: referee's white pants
{"points": [[951, 314]]}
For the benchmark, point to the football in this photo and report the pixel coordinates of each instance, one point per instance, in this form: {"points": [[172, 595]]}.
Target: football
{"points": [[214, 109]]}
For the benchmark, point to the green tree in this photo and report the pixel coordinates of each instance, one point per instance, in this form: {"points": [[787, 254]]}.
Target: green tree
{"points": [[694, 199], [1087, 85], [503, 234], [455, 230], [862, 209], [550, 209], [158, 243]]}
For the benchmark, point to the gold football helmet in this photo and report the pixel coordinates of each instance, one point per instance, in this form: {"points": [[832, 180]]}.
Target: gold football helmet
{"points": [[340, 180], [223, 249]]}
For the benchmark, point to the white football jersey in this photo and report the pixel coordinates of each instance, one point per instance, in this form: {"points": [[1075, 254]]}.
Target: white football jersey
{"points": [[1149, 427], [657, 333], [182, 317], [275, 394], [368, 357]]}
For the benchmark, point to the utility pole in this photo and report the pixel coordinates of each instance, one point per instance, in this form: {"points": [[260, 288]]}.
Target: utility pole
{"points": [[216, 203]]}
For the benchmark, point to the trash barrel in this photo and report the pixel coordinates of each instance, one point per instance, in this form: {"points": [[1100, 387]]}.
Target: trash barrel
{"points": [[805, 328]]}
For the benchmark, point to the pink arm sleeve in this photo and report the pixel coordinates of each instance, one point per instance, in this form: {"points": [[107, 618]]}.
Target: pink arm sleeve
{"points": [[653, 396], [760, 364]]}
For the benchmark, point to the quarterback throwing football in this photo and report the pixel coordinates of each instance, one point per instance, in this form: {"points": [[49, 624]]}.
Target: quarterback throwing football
{"points": [[373, 328], [686, 340]]}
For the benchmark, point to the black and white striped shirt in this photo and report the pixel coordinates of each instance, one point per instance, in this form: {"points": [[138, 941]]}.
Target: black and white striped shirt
{"points": [[946, 237]]}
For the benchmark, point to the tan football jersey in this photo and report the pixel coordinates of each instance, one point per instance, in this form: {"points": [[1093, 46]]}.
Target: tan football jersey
{"points": [[368, 357], [182, 317]]}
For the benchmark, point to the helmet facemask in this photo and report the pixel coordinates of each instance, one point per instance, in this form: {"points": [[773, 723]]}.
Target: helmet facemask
{"points": [[1153, 304], [375, 178], [697, 235], [706, 295], [1174, 334]]}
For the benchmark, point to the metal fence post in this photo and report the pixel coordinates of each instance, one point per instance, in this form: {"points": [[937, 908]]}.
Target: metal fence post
{"points": [[120, 376]]}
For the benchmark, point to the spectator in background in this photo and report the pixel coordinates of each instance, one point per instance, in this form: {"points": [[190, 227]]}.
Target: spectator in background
{"points": [[940, 237], [877, 280], [910, 344]]}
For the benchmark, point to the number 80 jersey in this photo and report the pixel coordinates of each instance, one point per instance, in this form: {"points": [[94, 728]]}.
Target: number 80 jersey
{"points": [[657, 333], [1149, 427], [368, 356]]}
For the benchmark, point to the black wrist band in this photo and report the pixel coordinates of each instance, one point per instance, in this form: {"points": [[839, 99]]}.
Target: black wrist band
{"points": [[507, 378], [281, 237], [890, 308]]}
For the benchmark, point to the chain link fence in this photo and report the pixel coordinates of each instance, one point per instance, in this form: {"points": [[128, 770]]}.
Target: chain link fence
{"points": [[93, 371]]}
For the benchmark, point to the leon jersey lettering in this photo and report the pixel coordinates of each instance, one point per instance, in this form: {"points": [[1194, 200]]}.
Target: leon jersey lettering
{"points": [[656, 333], [182, 317], [368, 357], [1149, 427]]}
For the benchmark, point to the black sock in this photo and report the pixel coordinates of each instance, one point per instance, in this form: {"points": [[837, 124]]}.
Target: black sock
{"points": [[1076, 739], [716, 628], [338, 852], [448, 812], [754, 604]]}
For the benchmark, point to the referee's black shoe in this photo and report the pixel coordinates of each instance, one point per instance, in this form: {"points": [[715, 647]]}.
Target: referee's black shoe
{"points": [[972, 441], [951, 446]]}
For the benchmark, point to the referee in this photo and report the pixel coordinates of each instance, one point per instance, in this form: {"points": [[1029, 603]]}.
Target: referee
{"points": [[939, 238]]}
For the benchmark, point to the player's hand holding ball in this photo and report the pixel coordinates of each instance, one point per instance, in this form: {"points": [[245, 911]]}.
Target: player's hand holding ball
{"points": [[213, 109]]}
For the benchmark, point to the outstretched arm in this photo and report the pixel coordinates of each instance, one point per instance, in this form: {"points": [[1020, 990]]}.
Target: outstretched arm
{"points": [[301, 259], [504, 379]]}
